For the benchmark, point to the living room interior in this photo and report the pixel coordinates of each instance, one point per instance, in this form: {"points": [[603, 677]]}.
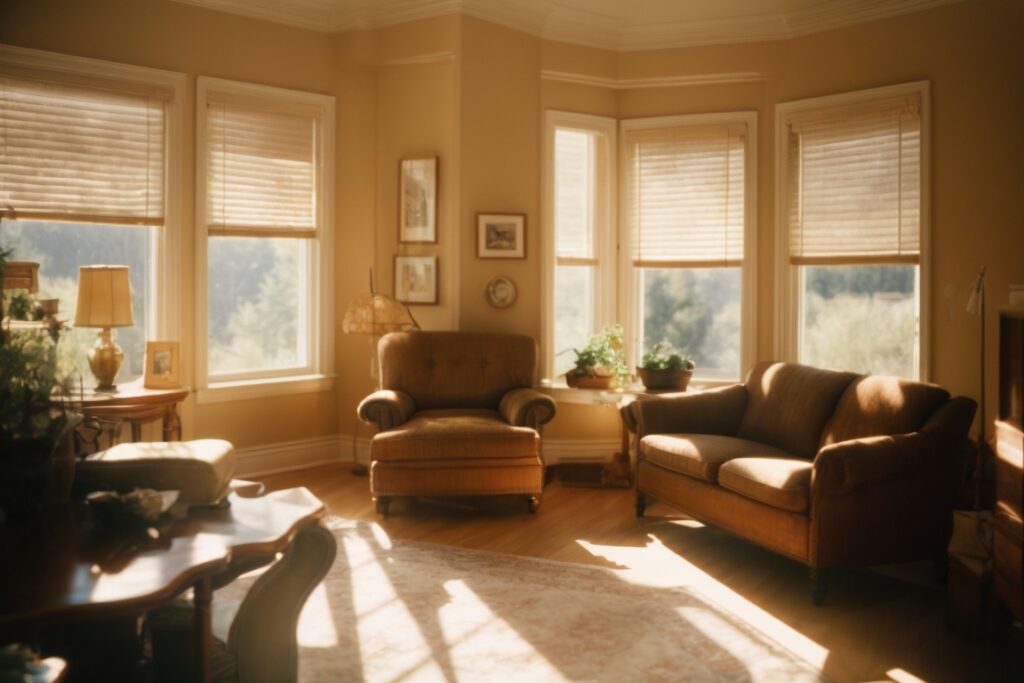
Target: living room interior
{"points": [[472, 85]]}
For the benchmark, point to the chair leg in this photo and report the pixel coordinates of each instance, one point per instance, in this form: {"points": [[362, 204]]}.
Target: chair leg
{"points": [[383, 505], [819, 586], [641, 504], [532, 502]]}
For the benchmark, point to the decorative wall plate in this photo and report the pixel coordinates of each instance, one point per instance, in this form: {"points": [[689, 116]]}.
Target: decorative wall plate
{"points": [[501, 292]]}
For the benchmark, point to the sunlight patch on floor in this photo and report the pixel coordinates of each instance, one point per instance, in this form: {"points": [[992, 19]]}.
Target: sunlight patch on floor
{"points": [[657, 565], [316, 624]]}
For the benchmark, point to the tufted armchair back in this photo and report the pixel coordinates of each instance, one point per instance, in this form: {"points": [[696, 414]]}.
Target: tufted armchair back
{"points": [[456, 369]]}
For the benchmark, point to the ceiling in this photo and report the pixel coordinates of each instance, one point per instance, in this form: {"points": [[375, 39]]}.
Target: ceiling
{"points": [[610, 24]]}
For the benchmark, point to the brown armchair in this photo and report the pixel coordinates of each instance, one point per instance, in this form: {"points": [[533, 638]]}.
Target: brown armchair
{"points": [[457, 416]]}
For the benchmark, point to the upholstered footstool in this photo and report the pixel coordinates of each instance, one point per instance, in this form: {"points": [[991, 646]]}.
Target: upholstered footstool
{"points": [[200, 470]]}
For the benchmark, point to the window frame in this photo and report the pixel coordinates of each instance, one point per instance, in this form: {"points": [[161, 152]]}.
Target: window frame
{"points": [[166, 248], [629, 292], [787, 276], [317, 375], [605, 233]]}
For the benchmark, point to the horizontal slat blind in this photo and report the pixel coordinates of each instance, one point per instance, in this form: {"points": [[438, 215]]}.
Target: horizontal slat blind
{"points": [[574, 196], [75, 153], [855, 184], [261, 170], [684, 195]]}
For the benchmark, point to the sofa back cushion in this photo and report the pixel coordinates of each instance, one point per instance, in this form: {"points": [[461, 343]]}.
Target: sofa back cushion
{"points": [[881, 406], [789, 404], [456, 369]]}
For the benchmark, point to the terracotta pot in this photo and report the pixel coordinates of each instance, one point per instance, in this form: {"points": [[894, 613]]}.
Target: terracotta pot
{"points": [[589, 382], [665, 380]]}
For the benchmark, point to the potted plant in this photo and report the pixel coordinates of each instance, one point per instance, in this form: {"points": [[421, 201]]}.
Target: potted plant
{"points": [[600, 362], [664, 368]]}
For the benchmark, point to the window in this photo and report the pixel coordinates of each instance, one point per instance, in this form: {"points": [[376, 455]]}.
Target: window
{"points": [[684, 237], [264, 210], [580, 284], [852, 210], [87, 160]]}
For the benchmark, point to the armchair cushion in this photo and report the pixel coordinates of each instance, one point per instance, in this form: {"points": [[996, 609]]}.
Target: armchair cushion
{"points": [[780, 482], [386, 407], [876, 405], [700, 455], [433, 435], [788, 405], [527, 408]]}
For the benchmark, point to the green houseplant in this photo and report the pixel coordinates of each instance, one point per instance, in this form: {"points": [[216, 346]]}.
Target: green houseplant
{"points": [[601, 362], [665, 368]]}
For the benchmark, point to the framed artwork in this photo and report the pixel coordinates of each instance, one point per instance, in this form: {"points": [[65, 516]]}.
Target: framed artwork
{"points": [[163, 365], [417, 212], [416, 279], [500, 235]]}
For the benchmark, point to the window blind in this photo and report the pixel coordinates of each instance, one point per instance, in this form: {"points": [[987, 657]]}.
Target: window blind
{"points": [[574, 197], [261, 170], [82, 154], [855, 184], [684, 195]]}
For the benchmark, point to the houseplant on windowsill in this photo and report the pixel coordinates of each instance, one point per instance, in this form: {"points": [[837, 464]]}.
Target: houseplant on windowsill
{"points": [[601, 362], [664, 368]]}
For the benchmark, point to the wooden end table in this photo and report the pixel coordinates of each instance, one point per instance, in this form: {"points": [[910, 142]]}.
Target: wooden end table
{"points": [[135, 404]]}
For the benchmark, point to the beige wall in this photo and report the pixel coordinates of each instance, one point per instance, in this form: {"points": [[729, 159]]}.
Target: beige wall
{"points": [[473, 94]]}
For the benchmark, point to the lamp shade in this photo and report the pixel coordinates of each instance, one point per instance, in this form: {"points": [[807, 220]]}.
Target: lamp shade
{"points": [[104, 297], [376, 314]]}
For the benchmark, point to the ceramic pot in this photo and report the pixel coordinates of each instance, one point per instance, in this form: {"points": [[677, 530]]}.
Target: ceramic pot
{"points": [[665, 380]]}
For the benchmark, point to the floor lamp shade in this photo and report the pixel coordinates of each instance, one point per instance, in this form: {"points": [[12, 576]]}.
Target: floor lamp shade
{"points": [[104, 301]]}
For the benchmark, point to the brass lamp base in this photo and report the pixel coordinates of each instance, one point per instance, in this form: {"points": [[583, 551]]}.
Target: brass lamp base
{"points": [[105, 359]]}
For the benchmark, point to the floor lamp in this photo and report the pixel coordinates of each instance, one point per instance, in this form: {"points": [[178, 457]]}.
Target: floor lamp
{"points": [[375, 315], [976, 306]]}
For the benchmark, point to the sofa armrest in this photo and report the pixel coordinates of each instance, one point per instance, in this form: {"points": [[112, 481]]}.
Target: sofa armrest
{"points": [[844, 466], [387, 408], [717, 411], [527, 407]]}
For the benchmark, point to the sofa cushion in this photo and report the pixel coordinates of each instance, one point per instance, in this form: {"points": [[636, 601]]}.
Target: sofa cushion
{"points": [[450, 434], [780, 482], [700, 455], [878, 406], [788, 405]]}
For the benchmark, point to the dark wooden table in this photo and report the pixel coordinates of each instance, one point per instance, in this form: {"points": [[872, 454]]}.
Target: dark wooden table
{"points": [[135, 404], [67, 571]]}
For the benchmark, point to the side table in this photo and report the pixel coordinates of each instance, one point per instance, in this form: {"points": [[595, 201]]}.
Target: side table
{"points": [[135, 404]]}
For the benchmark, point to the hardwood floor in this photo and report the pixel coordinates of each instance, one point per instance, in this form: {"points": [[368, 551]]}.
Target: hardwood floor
{"points": [[875, 625]]}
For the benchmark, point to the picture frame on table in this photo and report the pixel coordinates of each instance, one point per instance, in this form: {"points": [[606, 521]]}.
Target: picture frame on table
{"points": [[416, 279], [417, 199], [163, 365], [501, 235]]}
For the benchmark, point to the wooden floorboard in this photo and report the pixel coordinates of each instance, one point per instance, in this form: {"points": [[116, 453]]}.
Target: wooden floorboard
{"points": [[882, 624]]}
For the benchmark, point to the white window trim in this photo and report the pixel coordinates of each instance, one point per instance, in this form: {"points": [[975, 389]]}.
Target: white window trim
{"points": [[748, 287], [319, 375], [605, 293], [787, 277], [165, 303]]}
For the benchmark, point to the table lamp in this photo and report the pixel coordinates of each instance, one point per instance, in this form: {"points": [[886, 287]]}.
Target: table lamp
{"points": [[104, 301]]}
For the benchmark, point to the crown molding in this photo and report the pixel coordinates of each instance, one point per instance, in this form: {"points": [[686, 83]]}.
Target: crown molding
{"points": [[555, 21], [644, 83]]}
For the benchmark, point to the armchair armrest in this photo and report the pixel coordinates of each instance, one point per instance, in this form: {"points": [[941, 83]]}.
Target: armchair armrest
{"points": [[717, 411], [527, 407], [387, 408], [841, 467]]}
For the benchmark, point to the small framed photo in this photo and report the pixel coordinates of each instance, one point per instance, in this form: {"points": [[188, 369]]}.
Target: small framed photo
{"points": [[416, 279], [163, 365], [500, 235], [417, 219]]}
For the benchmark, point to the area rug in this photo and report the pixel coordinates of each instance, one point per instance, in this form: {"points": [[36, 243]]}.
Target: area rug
{"points": [[392, 610]]}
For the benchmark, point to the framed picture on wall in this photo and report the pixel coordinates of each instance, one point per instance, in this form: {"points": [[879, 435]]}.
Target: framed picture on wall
{"points": [[417, 198], [163, 365], [500, 235], [416, 279]]}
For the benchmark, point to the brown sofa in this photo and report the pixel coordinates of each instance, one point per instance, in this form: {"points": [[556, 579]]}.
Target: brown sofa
{"points": [[828, 468], [457, 416]]}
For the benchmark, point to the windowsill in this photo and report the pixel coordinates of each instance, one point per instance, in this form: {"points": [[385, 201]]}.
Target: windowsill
{"points": [[563, 393], [240, 390]]}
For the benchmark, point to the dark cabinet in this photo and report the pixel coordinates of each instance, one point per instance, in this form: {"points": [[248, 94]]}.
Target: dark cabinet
{"points": [[1008, 537]]}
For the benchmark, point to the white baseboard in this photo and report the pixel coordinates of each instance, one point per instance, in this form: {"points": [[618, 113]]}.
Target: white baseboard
{"points": [[293, 455]]}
